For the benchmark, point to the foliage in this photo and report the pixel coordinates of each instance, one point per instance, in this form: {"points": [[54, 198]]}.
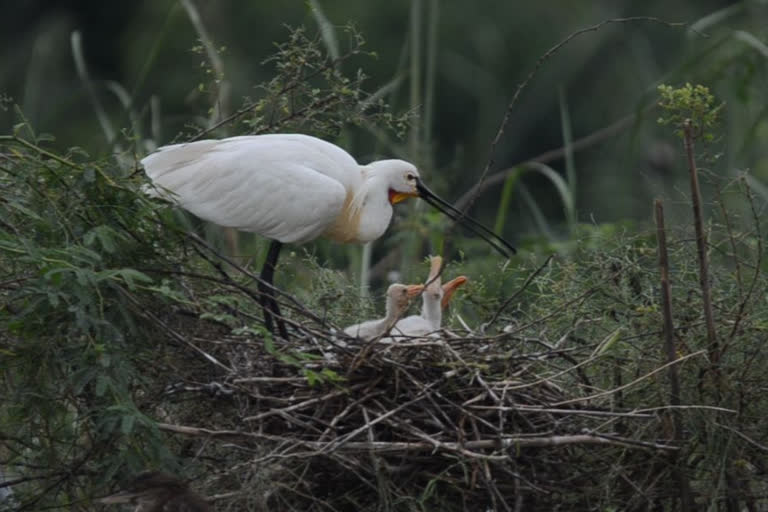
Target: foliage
{"points": [[309, 91], [689, 104], [128, 343]]}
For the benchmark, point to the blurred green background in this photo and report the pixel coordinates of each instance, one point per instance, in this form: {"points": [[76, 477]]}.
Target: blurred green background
{"points": [[454, 65]]}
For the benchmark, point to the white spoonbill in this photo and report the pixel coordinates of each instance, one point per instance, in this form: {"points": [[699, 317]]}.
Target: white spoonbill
{"points": [[434, 299], [398, 297], [291, 188]]}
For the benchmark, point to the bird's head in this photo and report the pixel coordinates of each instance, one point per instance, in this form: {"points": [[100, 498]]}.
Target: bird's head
{"points": [[403, 181], [400, 294], [401, 177]]}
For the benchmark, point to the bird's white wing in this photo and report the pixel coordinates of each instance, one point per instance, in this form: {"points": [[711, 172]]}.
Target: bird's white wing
{"points": [[414, 325], [285, 187], [366, 330]]}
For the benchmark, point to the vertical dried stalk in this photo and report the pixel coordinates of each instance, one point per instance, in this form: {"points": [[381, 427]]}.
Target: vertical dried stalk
{"points": [[669, 348], [701, 246], [666, 307]]}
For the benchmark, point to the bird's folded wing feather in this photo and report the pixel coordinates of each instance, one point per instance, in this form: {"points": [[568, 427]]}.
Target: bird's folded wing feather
{"points": [[414, 325], [277, 186]]}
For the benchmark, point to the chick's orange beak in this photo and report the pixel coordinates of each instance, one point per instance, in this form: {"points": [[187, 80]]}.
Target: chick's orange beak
{"points": [[396, 197], [450, 287], [412, 290]]}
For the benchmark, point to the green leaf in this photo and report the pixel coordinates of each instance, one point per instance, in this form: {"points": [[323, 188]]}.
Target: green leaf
{"points": [[24, 210], [53, 299], [130, 276], [106, 237], [102, 382], [269, 344], [608, 342], [126, 424]]}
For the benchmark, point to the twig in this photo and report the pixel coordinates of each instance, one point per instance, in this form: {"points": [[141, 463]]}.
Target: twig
{"points": [[701, 246], [686, 502], [744, 437], [528, 281], [223, 87], [540, 62], [568, 412], [758, 264], [550, 155], [301, 405], [666, 309], [629, 384], [401, 446], [336, 444], [332, 63], [172, 332]]}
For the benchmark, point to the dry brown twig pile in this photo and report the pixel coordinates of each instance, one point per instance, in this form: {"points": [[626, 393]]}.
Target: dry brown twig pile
{"points": [[512, 421]]}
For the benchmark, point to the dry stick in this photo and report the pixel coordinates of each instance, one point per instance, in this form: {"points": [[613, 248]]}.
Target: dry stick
{"points": [[678, 470], [291, 301], [146, 312], [566, 412], [732, 239], [744, 437], [430, 444], [338, 443], [285, 89], [552, 154], [303, 404], [528, 281], [376, 464], [666, 308], [701, 246], [758, 264], [540, 62], [627, 385]]}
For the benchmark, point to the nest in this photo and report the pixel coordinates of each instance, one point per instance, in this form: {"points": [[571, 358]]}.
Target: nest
{"points": [[456, 421]]}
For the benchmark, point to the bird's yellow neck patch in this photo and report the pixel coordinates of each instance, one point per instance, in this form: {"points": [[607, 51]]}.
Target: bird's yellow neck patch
{"points": [[396, 197]]}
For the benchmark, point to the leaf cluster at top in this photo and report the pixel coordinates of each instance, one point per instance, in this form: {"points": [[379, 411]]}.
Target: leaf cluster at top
{"points": [[689, 104]]}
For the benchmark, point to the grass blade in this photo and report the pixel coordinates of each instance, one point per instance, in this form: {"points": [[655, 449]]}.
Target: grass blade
{"points": [[714, 18], [327, 30], [560, 184], [750, 40], [506, 197], [570, 167], [76, 41]]}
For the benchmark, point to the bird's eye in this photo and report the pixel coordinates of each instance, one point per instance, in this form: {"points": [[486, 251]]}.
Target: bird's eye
{"points": [[410, 177]]}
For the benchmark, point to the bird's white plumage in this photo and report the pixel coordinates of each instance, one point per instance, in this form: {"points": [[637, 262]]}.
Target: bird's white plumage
{"points": [[287, 187], [433, 301], [398, 296], [430, 318]]}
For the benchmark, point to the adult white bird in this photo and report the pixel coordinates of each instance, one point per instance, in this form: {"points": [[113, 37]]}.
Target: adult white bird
{"points": [[398, 297], [291, 188], [435, 298]]}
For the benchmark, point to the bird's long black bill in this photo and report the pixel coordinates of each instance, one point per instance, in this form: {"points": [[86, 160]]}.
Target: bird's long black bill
{"points": [[498, 243]]}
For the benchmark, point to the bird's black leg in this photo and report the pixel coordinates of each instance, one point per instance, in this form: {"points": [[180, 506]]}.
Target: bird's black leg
{"points": [[268, 302]]}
